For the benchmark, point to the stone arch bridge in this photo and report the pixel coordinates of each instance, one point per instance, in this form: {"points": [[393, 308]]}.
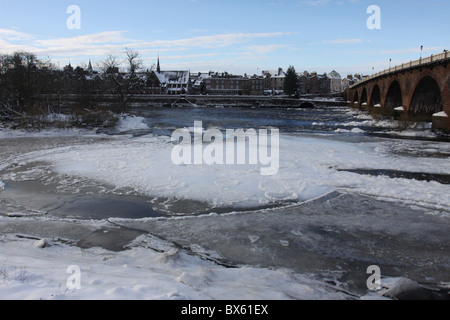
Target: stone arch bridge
{"points": [[418, 90]]}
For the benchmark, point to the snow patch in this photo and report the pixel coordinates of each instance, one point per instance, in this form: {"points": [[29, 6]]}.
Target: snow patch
{"points": [[58, 118], [45, 133], [130, 123], [42, 243], [142, 274], [441, 114], [357, 130], [341, 130], [354, 130]]}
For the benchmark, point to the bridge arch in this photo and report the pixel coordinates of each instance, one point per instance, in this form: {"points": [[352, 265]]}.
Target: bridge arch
{"points": [[363, 98], [375, 97], [307, 105], [426, 99], [394, 96], [355, 97]]}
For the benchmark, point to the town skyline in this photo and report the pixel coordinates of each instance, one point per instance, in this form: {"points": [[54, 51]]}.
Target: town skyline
{"points": [[236, 37]]}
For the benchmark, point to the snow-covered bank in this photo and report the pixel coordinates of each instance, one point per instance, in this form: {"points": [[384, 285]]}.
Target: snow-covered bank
{"points": [[44, 133], [141, 273]]}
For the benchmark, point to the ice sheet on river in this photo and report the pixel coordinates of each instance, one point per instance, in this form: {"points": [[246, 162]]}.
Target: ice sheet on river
{"points": [[348, 227], [309, 168], [341, 232]]}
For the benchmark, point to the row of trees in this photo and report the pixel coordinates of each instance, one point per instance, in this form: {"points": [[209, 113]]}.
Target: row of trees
{"points": [[29, 85], [31, 88], [19, 74]]}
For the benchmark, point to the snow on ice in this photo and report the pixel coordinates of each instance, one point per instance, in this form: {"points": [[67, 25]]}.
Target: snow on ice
{"points": [[129, 123], [309, 168], [39, 271]]}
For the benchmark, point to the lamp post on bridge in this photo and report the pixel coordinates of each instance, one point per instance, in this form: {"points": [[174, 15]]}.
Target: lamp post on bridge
{"points": [[421, 49]]}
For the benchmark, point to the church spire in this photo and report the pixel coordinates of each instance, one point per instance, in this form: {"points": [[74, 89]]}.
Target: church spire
{"points": [[158, 66], [90, 69]]}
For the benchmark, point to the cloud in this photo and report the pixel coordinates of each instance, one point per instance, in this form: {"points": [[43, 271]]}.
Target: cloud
{"points": [[343, 41], [223, 52], [264, 49], [315, 3], [13, 35], [319, 3], [115, 41], [96, 38], [214, 41], [432, 50], [91, 44]]}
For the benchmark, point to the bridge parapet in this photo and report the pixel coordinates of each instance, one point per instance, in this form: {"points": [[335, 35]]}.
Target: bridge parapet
{"points": [[404, 66]]}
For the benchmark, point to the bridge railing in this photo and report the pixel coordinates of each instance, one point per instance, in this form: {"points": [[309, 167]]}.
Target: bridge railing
{"points": [[408, 65]]}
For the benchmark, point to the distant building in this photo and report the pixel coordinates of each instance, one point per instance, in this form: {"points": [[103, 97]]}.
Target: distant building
{"points": [[174, 82], [351, 80], [312, 83], [335, 81], [346, 82], [226, 84], [198, 84], [168, 82], [256, 85], [68, 69], [273, 82]]}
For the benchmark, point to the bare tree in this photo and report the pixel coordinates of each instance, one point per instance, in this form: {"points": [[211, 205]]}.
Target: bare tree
{"points": [[134, 66], [110, 68], [110, 65], [134, 61]]}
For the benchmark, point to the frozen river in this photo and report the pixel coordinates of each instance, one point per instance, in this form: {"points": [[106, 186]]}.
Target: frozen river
{"points": [[350, 193]]}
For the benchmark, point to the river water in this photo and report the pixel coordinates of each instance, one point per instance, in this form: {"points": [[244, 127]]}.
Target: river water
{"points": [[352, 192]]}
